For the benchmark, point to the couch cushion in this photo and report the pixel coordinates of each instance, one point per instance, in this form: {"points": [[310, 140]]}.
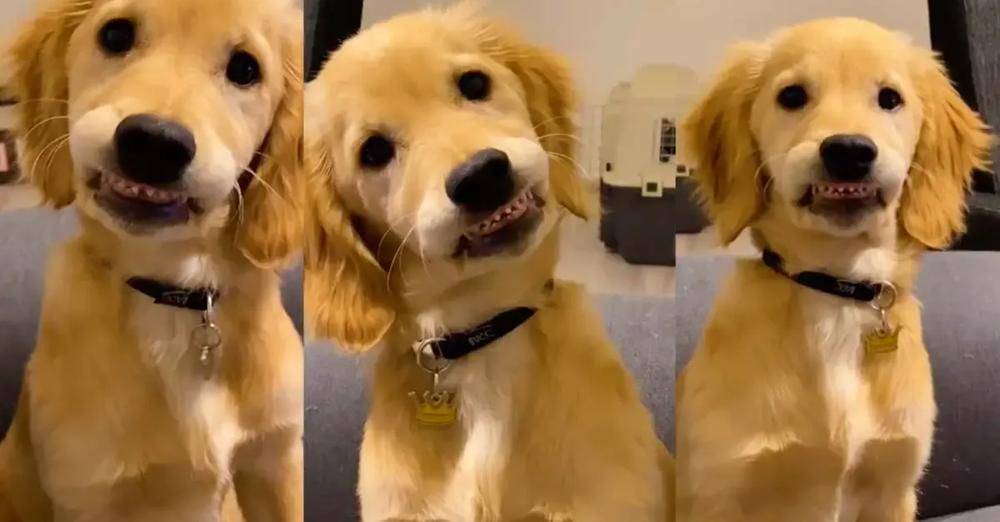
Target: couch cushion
{"points": [[336, 404], [962, 333], [25, 238], [990, 514]]}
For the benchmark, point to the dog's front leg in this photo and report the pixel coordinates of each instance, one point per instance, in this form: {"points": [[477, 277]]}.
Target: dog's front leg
{"points": [[885, 478], [268, 478]]}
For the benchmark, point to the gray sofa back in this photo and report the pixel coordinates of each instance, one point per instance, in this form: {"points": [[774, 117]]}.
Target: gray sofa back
{"points": [[962, 332]]}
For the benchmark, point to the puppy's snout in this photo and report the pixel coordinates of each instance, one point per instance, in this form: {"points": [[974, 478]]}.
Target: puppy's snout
{"points": [[482, 183], [848, 157], [153, 150]]}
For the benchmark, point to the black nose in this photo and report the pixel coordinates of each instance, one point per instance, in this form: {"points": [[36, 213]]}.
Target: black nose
{"points": [[848, 157], [483, 183], [153, 150]]}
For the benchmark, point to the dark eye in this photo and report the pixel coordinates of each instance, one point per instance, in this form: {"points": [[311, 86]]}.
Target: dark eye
{"points": [[243, 69], [474, 85], [376, 152], [793, 97], [117, 36], [889, 99]]}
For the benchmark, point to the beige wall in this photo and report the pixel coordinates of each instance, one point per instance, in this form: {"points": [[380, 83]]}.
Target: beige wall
{"points": [[12, 14], [607, 40]]}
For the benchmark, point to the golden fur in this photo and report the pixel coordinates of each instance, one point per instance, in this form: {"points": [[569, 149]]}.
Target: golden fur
{"points": [[781, 414], [117, 421], [550, 425]]}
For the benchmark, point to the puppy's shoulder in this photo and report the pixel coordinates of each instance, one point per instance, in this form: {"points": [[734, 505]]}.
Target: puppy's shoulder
{"points": [[75, 260]]}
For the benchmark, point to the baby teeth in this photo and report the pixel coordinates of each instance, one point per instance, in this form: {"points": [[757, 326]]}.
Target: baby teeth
{"points": [[843, 190], [139, 191], [510, 212]]}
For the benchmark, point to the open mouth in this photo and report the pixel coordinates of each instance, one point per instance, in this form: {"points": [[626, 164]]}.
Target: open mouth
{"points": [[504, 229], [138, 203], [844, 201]]}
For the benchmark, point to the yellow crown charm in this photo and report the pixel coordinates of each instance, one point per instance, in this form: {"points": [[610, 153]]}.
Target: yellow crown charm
{"points": [[435, 409]]}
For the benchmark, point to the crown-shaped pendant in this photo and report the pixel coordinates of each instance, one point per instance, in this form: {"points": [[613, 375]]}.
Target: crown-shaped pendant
{"points": [[435, 409]]}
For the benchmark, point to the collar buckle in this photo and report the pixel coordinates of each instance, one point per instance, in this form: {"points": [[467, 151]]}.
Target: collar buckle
{"points": [[886, 296], [429, 356]]}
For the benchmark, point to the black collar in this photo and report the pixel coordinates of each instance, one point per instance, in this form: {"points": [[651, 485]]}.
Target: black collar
{"points": [[864, 291], [457, 345], [163, 293]]}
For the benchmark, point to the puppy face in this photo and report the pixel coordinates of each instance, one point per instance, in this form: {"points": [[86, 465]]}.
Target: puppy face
{"points": [[837, 131], [169, 108], [441, 135], [433, 141], [833, 126]]}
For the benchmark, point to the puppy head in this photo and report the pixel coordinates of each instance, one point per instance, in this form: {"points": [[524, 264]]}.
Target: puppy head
{"points": [[156, 117], [836, 126], [437, 135]]}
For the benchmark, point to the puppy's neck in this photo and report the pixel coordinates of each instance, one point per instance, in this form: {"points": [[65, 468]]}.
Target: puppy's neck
{"points": [[434, 306], [871, 256], [187, 263]]}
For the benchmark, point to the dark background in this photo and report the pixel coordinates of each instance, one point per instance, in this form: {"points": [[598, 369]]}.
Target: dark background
{"points": [[328, 24]]}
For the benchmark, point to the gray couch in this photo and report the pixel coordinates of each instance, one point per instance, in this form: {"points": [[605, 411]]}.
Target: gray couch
{"points": [[962, 333]]}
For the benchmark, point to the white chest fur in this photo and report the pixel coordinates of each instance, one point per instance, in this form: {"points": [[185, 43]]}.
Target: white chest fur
{"points": [[200, 404], [486, 385], [835, 337]]}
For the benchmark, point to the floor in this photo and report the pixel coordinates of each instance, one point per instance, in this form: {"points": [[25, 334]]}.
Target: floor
{"points": [[706, 243], [13, 197], [584, 259]]}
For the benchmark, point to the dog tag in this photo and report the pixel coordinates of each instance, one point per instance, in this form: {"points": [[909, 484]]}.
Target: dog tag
{"points": [[882, 341], [206, 338], [435, 407]]}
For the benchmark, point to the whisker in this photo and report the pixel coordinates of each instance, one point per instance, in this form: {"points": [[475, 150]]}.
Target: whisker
{"points": [[552, 119], [917, 166], [760, 170], [239, 207], [556, 135], [54, 153], [389, 230], [264, 183], [579, 168], [388, 274], [423, 260], [34, 165], [43, 122]]}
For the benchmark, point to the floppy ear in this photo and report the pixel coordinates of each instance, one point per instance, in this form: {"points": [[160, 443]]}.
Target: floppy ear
{"points": [[953, 142], [40, 85], [346, 297], [719, 141], [271, 228], [551, 99]]}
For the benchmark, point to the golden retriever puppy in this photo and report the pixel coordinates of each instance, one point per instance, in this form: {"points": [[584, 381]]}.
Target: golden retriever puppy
{"points": [[166, 369], [439, 163], [847, 152]]}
